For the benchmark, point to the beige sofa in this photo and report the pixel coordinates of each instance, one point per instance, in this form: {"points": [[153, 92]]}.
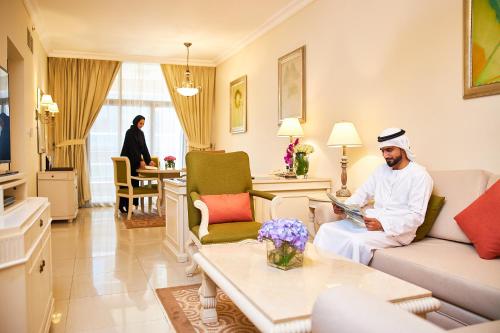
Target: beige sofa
{"points": [[445, 262]]}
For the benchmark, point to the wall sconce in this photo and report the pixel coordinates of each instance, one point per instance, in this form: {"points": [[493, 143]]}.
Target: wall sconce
{"points": [[48, 109]]}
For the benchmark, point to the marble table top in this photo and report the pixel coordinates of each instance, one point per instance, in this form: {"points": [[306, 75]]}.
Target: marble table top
{"points": [[284, 295]]}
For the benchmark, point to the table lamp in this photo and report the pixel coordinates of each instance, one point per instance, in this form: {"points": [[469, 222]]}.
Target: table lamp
{"points": [[344, 135], [290, 127]]}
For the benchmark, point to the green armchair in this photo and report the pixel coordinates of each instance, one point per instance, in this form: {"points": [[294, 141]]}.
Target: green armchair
{"points": [[222, 173]]}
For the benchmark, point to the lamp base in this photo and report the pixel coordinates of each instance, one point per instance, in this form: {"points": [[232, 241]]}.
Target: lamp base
{"points": [[343, 192]]}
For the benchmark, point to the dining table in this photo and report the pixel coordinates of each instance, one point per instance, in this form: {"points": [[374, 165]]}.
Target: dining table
{"points": [[160, 174]]}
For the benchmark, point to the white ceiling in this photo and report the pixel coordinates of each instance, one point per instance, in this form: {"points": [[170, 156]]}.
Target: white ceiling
{"points": [[155, 30]]}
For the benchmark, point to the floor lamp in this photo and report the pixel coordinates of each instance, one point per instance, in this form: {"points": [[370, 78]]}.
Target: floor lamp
{"points": [[344, 135]]}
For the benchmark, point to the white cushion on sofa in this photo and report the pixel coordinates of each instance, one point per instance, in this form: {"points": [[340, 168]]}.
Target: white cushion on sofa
{"points": [[460, 188], [451, 270]]}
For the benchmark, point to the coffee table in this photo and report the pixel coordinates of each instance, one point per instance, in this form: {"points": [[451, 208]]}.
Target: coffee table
{"points": [[282, 301]]}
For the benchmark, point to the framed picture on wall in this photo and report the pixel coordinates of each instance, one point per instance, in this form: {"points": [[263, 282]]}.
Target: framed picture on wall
{"points": [[238, 105], [481, 48], [291, 85]]}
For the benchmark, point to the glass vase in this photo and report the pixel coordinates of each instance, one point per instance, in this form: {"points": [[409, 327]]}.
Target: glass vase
{"points": [[301, 164], [170, 165], [284, 257]]}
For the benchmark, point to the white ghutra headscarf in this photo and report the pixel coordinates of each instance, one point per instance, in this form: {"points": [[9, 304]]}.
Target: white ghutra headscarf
{"points": [[396, 137]]}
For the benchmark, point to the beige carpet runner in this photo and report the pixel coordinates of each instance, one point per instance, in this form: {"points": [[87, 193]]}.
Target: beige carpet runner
{"points": [[182, 305]]}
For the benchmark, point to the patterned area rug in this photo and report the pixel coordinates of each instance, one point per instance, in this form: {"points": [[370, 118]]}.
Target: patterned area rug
{"points": [[182, 305], [143, 220]]}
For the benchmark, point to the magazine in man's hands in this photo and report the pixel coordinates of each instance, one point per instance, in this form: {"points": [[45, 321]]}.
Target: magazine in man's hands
{"points": [[353, 212]]}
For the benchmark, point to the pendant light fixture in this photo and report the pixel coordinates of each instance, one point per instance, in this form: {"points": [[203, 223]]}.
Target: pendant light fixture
{"points": [[187, 88]]}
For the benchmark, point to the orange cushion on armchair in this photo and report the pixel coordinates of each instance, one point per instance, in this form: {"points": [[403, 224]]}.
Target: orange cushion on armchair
{"points": [[481, 222], [228, 207]]}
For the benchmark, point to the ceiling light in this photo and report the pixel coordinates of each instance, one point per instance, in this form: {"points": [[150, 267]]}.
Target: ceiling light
{"points": [[187, 88]]}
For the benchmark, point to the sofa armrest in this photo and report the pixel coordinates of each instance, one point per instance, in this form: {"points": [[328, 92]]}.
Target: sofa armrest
{"points": [[346, 309]]}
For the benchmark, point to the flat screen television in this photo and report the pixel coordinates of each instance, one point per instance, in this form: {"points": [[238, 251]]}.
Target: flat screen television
{"points": [[4, 117]]}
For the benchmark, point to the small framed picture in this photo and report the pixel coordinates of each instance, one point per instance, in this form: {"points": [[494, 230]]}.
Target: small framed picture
{"points": [[238, 105], [291, 85]]}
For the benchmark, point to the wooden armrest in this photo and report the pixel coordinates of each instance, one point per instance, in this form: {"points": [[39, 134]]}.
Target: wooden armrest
{"points": [[143, 178], [203, 231], [262, 194]]}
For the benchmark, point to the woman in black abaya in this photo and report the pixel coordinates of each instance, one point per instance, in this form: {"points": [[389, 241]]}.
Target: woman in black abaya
{"points": [[135, 148]]}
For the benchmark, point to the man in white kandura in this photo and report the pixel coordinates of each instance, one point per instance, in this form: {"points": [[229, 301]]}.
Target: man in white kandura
{"points": [[401, 191]]}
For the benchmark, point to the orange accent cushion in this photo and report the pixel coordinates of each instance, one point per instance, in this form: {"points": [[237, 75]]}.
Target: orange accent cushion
{"points": [[228, 207], [481, 222]]}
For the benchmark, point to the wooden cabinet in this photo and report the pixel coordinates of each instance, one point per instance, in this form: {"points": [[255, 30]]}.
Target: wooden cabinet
{"points": [[26, 268], [61, 188]]}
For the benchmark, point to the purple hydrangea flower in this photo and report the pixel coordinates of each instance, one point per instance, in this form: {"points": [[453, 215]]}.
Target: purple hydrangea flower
{"points": [[291, 231]]}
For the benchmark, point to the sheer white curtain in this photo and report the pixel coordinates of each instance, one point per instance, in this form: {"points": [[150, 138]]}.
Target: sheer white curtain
{"points": [[138, 89]]}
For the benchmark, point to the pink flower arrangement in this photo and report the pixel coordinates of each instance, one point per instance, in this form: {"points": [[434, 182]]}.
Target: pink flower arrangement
{"points": [[289, 154], [169, 158]]}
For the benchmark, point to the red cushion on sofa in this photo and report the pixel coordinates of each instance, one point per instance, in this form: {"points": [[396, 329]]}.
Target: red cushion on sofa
{"points": [[228, 207], [481, 222]]}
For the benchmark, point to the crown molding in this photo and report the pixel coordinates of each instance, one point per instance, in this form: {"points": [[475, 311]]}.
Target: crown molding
{"points": [[280, 16], [34, 13], [128, 57]]}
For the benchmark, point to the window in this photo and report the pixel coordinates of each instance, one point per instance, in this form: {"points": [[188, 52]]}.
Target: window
{"points": [[138, 89]]}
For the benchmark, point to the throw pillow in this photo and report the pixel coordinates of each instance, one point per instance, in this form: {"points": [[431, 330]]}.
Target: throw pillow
{"points": [[433, 208], [481, 222], [228, 207]]}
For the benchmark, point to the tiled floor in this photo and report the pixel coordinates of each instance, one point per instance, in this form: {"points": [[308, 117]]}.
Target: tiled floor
{"points": [[105, 275]]}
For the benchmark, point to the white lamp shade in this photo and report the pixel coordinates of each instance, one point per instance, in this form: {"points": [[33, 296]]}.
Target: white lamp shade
{"points": [[46, 100], [344, 134], [53, 108], [290, 127], [187, 91]]}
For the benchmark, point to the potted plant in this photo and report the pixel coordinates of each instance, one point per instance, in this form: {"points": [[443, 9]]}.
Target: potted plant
{"points": [[285, 241], [169, 162], [302, 152]]}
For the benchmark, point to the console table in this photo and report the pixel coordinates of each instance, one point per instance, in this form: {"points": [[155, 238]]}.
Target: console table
{"points": [[295, 204]]}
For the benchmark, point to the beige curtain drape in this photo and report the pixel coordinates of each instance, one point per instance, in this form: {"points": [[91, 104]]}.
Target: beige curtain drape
{"points": [[79, 87], [195, 112]]}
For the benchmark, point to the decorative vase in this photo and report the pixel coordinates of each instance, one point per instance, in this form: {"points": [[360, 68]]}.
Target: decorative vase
{"points": [[301, 164], [284, 257], [170, 165]]}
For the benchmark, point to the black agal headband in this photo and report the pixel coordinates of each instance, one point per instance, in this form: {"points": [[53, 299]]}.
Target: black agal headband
{"points": [[390, 136]]}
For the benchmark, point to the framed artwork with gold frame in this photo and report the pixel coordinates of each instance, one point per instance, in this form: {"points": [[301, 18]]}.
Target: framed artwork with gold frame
{"points": [[291, 85], [481, 48], [238, 105]]}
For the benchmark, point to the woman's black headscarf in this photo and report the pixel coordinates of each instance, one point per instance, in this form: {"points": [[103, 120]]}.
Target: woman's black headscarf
{"points": [[136, 120]]}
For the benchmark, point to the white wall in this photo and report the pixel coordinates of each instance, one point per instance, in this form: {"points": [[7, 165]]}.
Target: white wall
{"points": [[378, 64], [31, 70]]}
